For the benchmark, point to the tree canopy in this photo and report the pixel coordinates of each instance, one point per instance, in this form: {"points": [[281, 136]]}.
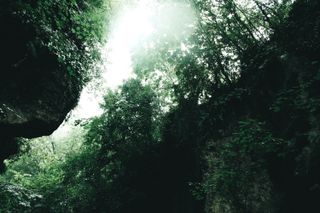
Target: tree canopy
{"points": [[221, 115]]}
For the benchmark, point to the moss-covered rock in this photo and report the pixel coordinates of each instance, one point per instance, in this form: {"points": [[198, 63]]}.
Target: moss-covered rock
{"points": [[47, 51]]}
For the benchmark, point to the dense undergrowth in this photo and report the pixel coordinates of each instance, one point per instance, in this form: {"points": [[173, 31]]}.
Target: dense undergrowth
{"points": [[236, 130]]}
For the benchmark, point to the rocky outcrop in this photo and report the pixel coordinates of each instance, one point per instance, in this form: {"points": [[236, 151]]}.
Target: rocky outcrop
{"points": [[36, 92]]}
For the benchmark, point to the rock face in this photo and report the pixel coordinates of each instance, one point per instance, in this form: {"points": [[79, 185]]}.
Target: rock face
{"points": [[36, 93]]}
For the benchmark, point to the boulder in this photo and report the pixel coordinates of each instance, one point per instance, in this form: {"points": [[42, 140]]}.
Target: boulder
{"points": [[36, 91]]}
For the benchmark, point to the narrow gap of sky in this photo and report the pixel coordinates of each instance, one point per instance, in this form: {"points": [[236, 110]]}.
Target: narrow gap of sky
{"points": [[131, 24]]}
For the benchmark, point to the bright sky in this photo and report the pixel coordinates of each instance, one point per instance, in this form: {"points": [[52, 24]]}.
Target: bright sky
{"points": [[131, 24]]}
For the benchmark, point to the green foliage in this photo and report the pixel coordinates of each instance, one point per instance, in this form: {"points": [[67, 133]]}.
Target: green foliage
{"points": [[16, 199], [71, 30], [228, 114], [237, 179], [198, 64], [96, 178], [38, 171]]}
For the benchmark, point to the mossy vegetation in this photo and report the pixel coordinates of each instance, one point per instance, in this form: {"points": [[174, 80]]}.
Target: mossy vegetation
{"points": [[224, 120]]}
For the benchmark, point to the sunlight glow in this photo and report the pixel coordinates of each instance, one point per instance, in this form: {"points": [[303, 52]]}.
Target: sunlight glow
{"points": [[131, 26], [136, 23]]}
